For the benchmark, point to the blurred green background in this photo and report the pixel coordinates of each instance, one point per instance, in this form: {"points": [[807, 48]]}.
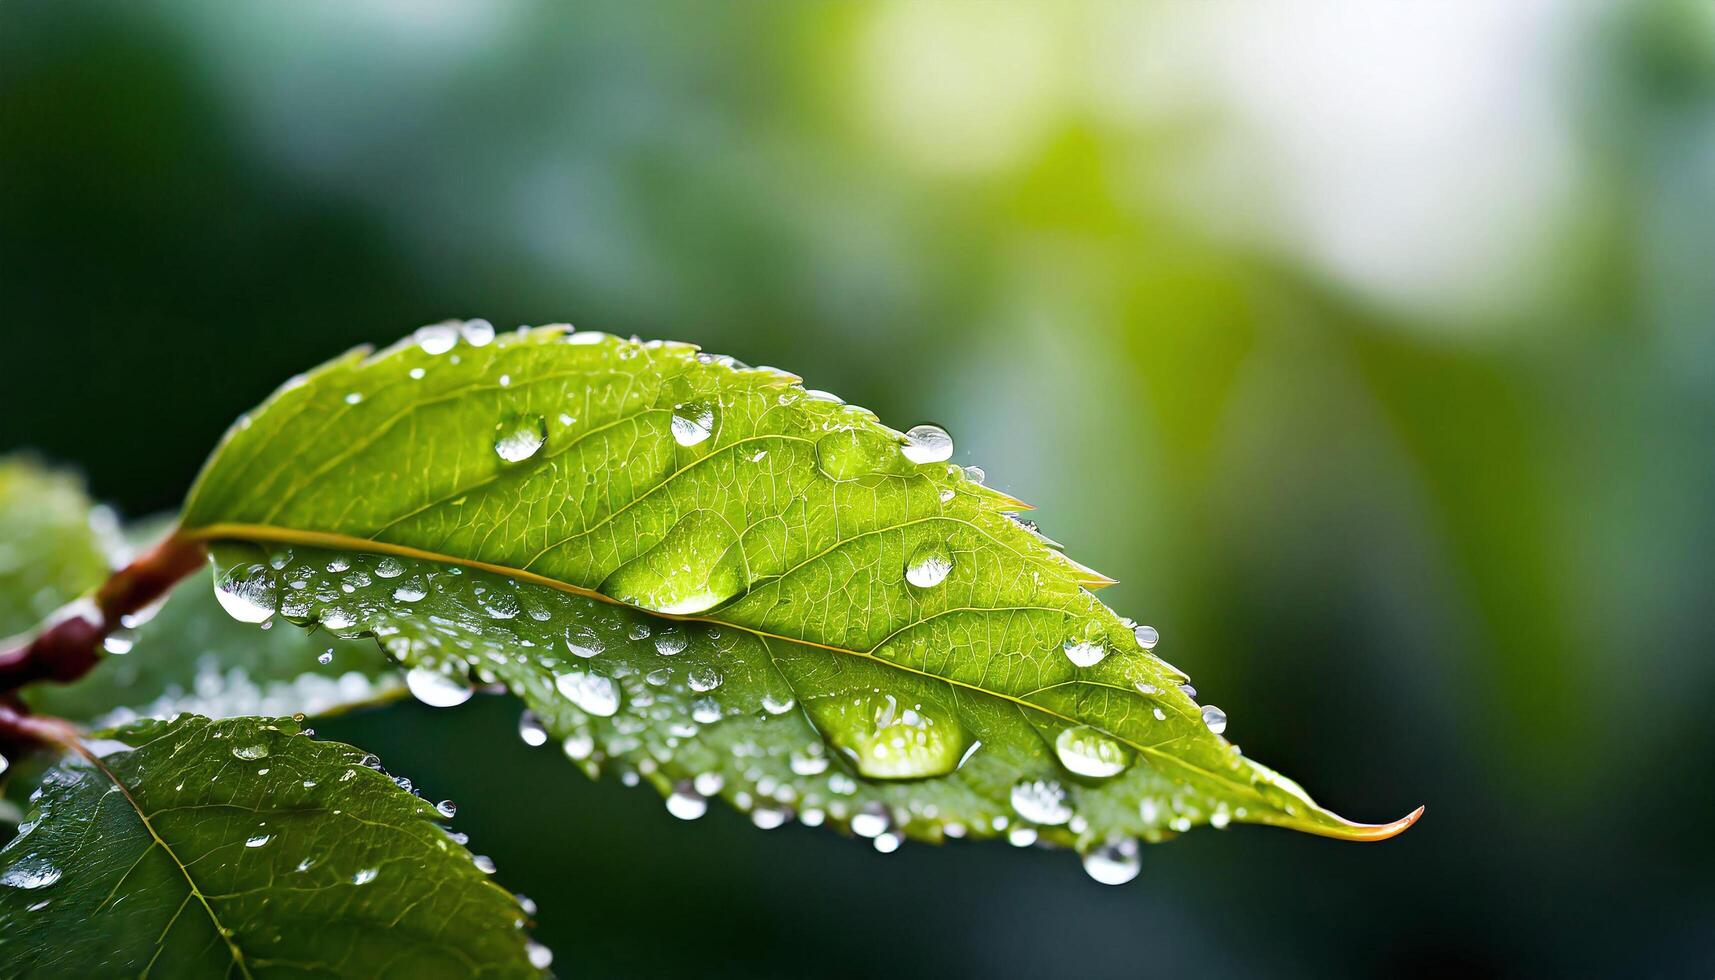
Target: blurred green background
{"points": [[1372, 348]]}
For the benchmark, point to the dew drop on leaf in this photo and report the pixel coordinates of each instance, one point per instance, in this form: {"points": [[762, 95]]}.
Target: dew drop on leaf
{"points": [[1041, 801], [1087, 752], [871, 821], [30, 873], [477, 333], [698, 565], [541, 957], [1114, 862], [1086, 648], [247, 593], [929, 565], [887, 738], [693, 422], [530, 729], [438, 338], [582, 641], [593, 693], [846, 454], [250, 751], [365, 876], [927, 444], [686, 803], [1147, 637], [436, 689], [518, 437], [1215, 718]]}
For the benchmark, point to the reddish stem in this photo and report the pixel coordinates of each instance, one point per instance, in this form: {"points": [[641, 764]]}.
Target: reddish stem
{"points": [[71, 643]]}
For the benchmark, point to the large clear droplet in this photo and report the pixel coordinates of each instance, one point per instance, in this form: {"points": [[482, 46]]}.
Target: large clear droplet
{"points": [[694, 422], [1115, 862], [1041, 801], [477, 333], [247, 593], [891, 736], [435, 689], [686, 803], [1215, 718], [927, 444], [530, 729], [846, 454], [1147, 637], [30, 873], [1088, 752], [929, 565], [594, 693], [518, 437], [697, 566], [1087, 646], [438, 338]]}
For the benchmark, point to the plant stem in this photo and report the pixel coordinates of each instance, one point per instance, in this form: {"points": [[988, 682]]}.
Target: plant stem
{"points": [[70, 644]]}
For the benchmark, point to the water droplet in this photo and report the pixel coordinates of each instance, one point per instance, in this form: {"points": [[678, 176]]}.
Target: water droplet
{"points": [[811, 762], [447, 809], [698, 565], [541, 957], [365, 876], [1187, 690], [890, 739], [354, 397], [410, 590], [1147, 637], [846, 454], [247, 593], [888, 843], [705, 711], [436, 689], [1021, 836], [769, 817], [438, 338], [497, 603], [389, 567], [484, 863], [582, 641], [578, 746], [1114, 862], [871, 821], [671, 641], [258, 840], [30, 873], [337, 618], [477, 333], [975, 474], [120, 641], [593, 693], [530, 729], [518, 437], [325, 657], [686, 803], [1087, 646], [1088, 752], [1041, 801], [250, 751], [927, 444], [704, 678], [693, 422], [1215, 718], [929, 565]]}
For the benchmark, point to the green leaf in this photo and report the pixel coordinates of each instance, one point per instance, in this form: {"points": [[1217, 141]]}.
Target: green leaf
{"points": [[54, 544], [895, 653], [244, 848]]}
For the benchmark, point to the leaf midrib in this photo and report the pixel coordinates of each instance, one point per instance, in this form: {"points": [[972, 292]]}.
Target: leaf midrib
{"points": [[342, 542]]}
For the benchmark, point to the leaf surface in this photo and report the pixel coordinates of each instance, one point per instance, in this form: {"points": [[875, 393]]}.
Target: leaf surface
{"points": [[510, 505], [244, 848]]}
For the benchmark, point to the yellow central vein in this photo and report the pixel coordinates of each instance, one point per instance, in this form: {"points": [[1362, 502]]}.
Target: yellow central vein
{"points": [[220, 929], [1347, 829]]}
